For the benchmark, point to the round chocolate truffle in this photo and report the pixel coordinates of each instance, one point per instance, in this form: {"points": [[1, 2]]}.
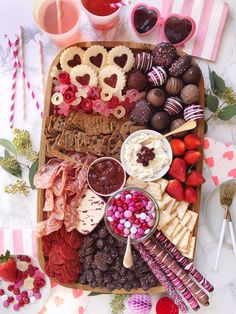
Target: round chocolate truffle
{"points": [[143, 61], [174, 86], [156, 97], [173, 106], [164, 54], [137, 80], [192, 75], [157, 76], [193, 112], [190, 94], [160, 121], [180, 65], [141, 113], [175, 124]]}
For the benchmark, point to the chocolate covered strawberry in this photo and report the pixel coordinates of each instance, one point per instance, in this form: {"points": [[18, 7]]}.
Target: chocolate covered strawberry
{"points": [[178, 147], [192, 141], [175, 189], [195, 178], [178, 169], [192, 156], [190, 195], [7, 267]]}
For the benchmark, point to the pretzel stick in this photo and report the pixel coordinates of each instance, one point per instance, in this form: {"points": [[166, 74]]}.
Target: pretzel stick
{"points": [[22, 61], [162, 278], [28, 85], [14, 48], [183, 261], [163, 256]]}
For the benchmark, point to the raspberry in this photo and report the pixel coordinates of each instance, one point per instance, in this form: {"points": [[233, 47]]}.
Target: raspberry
{"points": [[10, 299], [10, 288], [16, 291], [26, 300], [2, 292], [87, 105], [69, 96], [113, 102], [64, 78]]}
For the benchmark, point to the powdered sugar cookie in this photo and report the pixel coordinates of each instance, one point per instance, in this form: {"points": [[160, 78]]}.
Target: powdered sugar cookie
{"points": [[122, 57], [112, 78], [70, 58], [96, 57], [83, 75]]}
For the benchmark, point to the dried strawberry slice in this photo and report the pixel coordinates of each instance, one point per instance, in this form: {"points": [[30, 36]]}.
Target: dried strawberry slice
{"points": [[46, 247], [56, 268], [69, 275], [55, 258], [166, 306], [48, 269], [75, 240], [58, 237], [67, 252], [72, 264], [63, 231]]}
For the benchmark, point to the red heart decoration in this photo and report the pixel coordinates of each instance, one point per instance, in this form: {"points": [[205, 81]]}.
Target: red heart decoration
{"points": [[83, 80], [144, 18], [53, 284], [178, 29], [97, 60], [81, 310], [206, 144], [43, 310], [77, 293], [121, 61], [216, 180], [232, 173], [210, 161], [229, 155], [75, 61], [111, 81]]}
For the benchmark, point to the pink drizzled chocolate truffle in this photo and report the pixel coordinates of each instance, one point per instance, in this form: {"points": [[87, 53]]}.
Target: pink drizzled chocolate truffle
{"points": [[173, 106], [193, 112], [143, 62], [157, 76]]}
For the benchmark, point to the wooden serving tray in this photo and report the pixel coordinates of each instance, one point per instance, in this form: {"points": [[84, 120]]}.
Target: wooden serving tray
{"points": [[136, 47]]}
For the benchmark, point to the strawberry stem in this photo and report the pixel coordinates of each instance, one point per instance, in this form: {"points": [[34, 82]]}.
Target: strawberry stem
{"points": [[4, 258]]}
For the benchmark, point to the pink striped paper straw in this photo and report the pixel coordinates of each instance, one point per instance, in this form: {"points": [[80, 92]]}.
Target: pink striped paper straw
{"points": [[41, 64], [120, 4], [21, 57], [28, 85], [14, 79]]}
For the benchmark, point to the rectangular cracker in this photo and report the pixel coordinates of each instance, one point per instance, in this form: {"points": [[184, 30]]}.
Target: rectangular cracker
{"points": [[163, 183], [170, 206], [181, 209], [155, 190], [177, 230], [170, 228], [184, 244], [164, 202], [190, 253], [165, 219], [176, 240], [191, 224], [187, 217], [133, 181]]}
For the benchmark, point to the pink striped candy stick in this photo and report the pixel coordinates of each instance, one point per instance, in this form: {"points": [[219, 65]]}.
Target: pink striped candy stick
{"points": [[21, 57], [161, 277], [183, 261], [121, 4], [28, 85], [14, 47]]}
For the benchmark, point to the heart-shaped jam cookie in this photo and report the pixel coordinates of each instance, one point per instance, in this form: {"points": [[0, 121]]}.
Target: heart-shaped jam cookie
{"points": [[70, 58], [179, 29], [144, 19], [112, 79], [83, 75], [96, 57], [122, 57]]}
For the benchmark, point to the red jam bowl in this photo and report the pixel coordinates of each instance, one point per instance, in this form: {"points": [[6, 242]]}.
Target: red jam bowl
{"points": [[106, 176]]}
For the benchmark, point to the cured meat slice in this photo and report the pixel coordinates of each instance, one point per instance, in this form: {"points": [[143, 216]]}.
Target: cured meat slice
{"points": [[49, 202], [59, 208], [61, 176], [46, 174], [47, 226]]}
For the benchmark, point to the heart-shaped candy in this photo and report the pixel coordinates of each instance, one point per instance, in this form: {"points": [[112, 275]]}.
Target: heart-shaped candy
{"points": [[179, 29], [144, 19]]}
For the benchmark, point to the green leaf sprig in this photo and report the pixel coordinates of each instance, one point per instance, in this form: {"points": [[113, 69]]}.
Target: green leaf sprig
{"points": [[20, 145], [220, 99]]}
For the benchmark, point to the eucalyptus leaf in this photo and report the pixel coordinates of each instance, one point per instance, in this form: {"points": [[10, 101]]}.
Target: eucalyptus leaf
{"points": [[227, 112], [32, 171], [211, 79], [15, 173], [6, 153], [219, 84], [212, 103], [205, 127], [8, 145]]}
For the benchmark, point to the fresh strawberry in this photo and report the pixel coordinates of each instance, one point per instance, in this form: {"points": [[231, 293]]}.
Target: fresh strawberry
{"points": [[175, 189], [192, 156], [178, 169], [178, 147], [192, 141], [190, 195], [7, 267], [195, 178], [166, 306]]}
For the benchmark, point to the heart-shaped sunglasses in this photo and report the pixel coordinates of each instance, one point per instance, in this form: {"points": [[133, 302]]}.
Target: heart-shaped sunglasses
{"points": [[177, 29]]}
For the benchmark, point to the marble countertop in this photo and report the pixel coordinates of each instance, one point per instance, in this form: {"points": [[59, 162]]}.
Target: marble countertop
{"points": [[19, 211]]}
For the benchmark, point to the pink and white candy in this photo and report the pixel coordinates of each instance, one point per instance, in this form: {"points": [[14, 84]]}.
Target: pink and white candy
{"points": [[132, 213], [140, 303]]}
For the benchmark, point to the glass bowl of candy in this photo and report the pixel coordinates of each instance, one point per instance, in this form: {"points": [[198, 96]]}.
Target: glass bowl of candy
{"points": [[132, 212]]}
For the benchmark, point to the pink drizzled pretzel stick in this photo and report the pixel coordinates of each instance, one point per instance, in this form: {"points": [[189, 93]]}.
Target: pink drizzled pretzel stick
{"points": [[14, 80], [162, 256], [21, 57], [162, 278], [28, 85], [183, 261]]}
